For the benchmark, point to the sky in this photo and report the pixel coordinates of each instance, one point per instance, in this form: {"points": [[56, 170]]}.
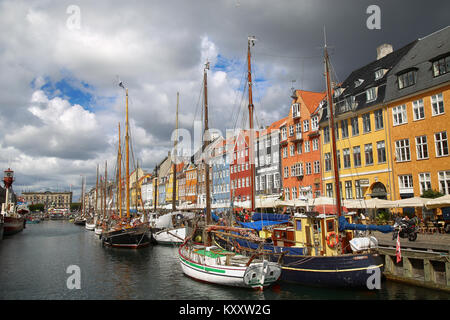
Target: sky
{"points": [[61, 62]]}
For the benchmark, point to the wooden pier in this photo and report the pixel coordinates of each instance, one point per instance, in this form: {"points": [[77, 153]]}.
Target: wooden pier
{"points": [[425, 262]]}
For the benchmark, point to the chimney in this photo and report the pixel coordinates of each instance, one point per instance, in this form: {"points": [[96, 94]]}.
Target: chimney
{"points": [[384, 50]]}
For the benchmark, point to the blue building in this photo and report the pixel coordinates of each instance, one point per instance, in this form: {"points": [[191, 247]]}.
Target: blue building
{"points": [[220, 175]]}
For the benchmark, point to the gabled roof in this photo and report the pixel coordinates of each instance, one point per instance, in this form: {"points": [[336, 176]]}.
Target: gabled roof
{"points": [[310, 98]]}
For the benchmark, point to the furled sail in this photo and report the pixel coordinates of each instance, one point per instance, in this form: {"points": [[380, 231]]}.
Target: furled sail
{"points": [[344, 225]]}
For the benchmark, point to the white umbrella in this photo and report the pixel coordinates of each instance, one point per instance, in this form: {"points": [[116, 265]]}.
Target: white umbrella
{"points": [[440, 202], [412, 202], [355, 203], [321, 201], [376, 203]]}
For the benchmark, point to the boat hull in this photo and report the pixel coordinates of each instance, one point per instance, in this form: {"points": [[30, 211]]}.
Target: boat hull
{"points": [[90, 226], [132, 238], [171, 236], [348, 270], [98, 231], [13, 225], [256, 275]]}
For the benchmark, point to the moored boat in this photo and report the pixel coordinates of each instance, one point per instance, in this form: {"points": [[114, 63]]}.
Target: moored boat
{"points": [[13, 221]]}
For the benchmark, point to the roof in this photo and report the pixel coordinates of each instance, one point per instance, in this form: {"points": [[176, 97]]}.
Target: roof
{"points": [[310, 98], [357, 83], [420, 57]]}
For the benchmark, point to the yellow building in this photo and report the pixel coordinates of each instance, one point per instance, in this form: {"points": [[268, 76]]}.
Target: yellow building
{"points": [[362, 141], [418, 100]]}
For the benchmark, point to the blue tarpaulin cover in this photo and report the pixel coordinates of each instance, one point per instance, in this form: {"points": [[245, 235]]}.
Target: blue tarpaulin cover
{"points": [[270, 216], [344, 225], [258, 225]]}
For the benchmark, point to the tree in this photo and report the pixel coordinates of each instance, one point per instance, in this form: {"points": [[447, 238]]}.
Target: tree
{"points": [[431, 194], [74, 206], [36, 207]]}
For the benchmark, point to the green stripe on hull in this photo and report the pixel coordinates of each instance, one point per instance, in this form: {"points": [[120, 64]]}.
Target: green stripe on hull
{"points": [[202, 267]]}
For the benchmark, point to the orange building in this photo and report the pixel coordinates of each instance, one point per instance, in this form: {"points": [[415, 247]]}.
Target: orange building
{"points": [[300, 147], [418, 101], [190, 183]]}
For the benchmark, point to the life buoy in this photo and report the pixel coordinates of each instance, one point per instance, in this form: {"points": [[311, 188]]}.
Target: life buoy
{"points": [[332, 239]]}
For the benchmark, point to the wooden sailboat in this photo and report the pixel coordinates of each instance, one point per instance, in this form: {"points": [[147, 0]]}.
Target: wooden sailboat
{"points": [[126, 232], [81, 220], [209, 263], [314, 246]]}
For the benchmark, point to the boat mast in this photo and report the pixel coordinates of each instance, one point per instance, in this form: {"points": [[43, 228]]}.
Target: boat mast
{"points": [[332, 129], [96, 195], [136, 186], [156, 187], [82, 196], [119, 166], [127, 160], [105, 187], [174, 187], [251, 42], [206, 143]]}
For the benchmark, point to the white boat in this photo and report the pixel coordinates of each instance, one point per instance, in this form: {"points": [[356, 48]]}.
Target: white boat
{"points": [[215, 265], [90, 226], [171, 236], [98, 230]]}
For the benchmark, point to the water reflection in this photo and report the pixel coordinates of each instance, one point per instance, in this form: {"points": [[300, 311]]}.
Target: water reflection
{"points": [[34, 264]]}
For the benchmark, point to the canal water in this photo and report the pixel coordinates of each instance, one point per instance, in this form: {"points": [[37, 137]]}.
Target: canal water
{"points": [[34, 263]]}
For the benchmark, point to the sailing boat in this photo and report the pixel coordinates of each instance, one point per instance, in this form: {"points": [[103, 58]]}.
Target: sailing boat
{"points": [[13, 222], [209, 263], [81, 220], [99, 214], [176, 222], [315, 246], [126, 232]]}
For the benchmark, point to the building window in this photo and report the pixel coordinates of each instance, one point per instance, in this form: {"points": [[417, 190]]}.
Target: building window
{"points": [[305, 125], [336, 131], [378, 114], [326, 134], [399, 115], [344, 128], [328, 161], [298, 129], [283, 133], [441, 143], [299, 147], [421, 147], [424, 181], [291, 131], [285, 152], [402, 150], [314, 123], [286, 172], [355, 126], [418, 110], [287, 193], [317, 166], [338, 159], [444, 182], [406, 79], [346, 157], [307, 146], [441, 66], [358, 190], [357, 156], [295, 110], [308, 168], [291, 150], [366, 122], [381, 152], [348, 190], [437, 104], [275, 139], [368, 154], [329, 190], [371, 94], [405, 183], [276, 156], [269, 179], [379, 74], [315, 144], [294, 193], [257, 183], [276, 180]]}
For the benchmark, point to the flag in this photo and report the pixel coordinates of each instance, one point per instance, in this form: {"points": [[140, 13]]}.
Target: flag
{"points": [[398, 252]]}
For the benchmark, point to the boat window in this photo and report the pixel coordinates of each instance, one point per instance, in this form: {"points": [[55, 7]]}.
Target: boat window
{"points": [[330, 225], [298, 225]]}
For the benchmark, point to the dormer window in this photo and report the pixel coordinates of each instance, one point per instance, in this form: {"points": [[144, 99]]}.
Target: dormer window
{"points": [[441, 65], [338, 92], [371, 94], [380, 73], [358, 82], [295, 110], [407, 78]]}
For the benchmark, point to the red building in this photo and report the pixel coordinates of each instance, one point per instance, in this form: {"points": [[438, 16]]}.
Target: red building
{"points": [[300, 147], [240, 171]]}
